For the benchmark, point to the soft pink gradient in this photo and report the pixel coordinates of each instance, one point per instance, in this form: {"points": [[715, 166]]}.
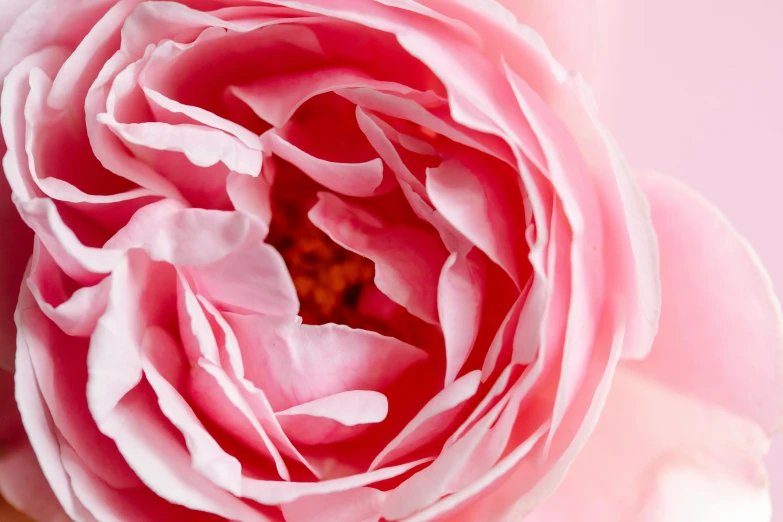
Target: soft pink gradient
{"points": [[163, 365], [693, 89]]}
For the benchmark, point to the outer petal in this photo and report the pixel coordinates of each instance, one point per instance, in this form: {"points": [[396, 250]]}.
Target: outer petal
{"points": [[721, 329], [9, 11], [569, 27], [11, 270], [659, 456], [24, 485]]}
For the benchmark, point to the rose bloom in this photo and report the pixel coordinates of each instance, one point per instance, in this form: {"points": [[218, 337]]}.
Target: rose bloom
{"points": [[358, 261]]}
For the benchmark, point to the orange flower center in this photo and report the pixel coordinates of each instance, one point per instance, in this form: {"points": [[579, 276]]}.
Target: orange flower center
{"points": [[330, 280]]}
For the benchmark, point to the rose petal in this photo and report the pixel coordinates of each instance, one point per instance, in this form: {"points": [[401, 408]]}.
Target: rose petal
{"points": [[276, 99], [253, 278], [142, 293], [215, 395], [482, 209], [252, 195], [276, 492], [164, 368], [297, 363], [706, 269], [176, 113], [461, 292], [11, 270], [76, 315], [473, 454], [11, 10], [351, 179], [231, 361], [59, 363], [33, 29], [353, 505], [533, 482], [202, 146], [195, 331], [569, 27], [666, 457], [106, 503], [440, 122], [407, 259], [24, 485], [432, 421], [376, 131], [155, 452], [36, 418], [79, 261], [335, 418]]}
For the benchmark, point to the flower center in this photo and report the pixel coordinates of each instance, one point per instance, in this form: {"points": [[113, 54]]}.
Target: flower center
{"points": [[334, 285]]}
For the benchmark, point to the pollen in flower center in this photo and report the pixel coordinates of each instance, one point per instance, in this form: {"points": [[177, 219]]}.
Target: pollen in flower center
{"points": [[331, 282]]}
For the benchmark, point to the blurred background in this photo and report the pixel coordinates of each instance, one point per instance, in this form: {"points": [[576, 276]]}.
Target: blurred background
{"points": [[694, 89]]}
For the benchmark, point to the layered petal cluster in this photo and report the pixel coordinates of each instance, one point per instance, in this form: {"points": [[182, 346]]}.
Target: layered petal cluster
{"points": [[359, 261]]}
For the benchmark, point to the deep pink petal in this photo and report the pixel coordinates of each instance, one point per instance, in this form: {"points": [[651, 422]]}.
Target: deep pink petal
{"points": [[439, 122], [12, 268], [432, 421], [351, 179], [482, 209], [107, 503], [277, 98], [79, 261], [407, 260], [380, 135], [468, 458], [534, 481]]}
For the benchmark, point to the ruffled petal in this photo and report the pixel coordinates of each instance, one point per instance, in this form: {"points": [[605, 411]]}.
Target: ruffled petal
{"points": [[433, 419], [407, 260]]}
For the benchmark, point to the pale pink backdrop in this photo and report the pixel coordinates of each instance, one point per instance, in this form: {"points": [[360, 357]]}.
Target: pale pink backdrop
{"points": [[694, 88]]}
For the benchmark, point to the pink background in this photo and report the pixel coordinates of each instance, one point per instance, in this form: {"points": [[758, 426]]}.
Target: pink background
{"points": [[694, 88]]}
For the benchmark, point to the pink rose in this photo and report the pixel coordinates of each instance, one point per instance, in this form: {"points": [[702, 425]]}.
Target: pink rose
{"points": [[354, 261]]}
